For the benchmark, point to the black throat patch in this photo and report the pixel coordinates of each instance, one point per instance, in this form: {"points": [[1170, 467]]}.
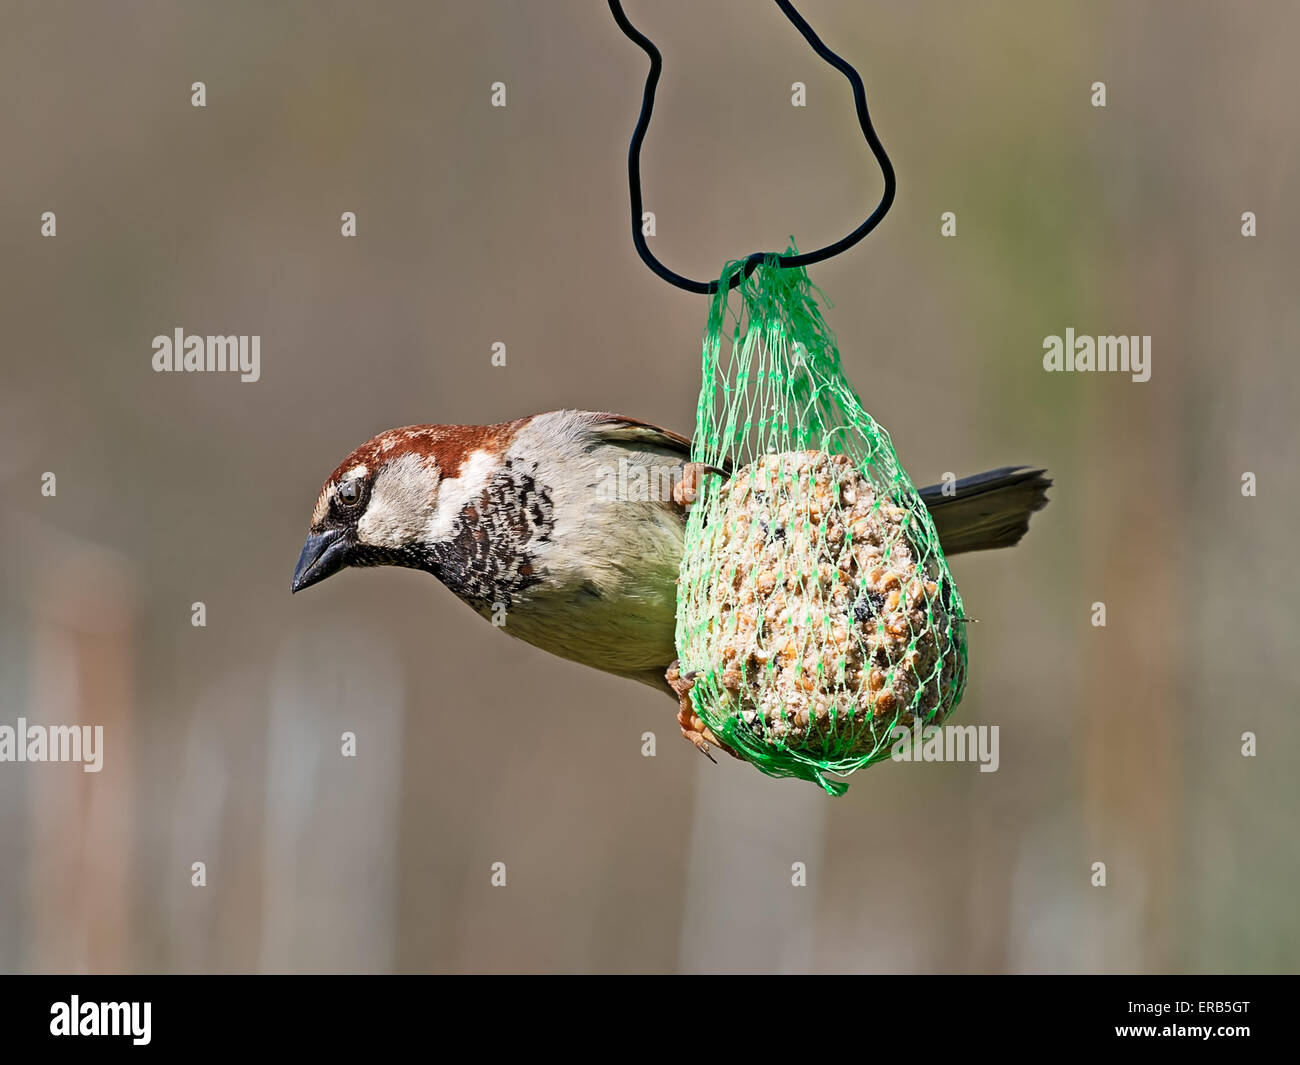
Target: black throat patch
{"points": [[490, 558]]}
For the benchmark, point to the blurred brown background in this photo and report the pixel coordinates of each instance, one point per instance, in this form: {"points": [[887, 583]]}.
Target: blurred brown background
{"points": [[479, 225]]}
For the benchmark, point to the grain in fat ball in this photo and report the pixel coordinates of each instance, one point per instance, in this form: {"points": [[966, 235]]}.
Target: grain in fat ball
{"points": [[828, 625]]}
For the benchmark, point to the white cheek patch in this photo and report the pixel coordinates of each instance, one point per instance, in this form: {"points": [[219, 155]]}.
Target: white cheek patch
{"points": [[455, 493], [399, 503]]}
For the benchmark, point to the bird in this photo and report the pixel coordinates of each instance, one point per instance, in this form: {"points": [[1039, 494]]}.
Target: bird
{"points": [[567, 529]]}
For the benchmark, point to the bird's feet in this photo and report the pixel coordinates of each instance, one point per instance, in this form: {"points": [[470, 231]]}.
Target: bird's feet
{"points": [[692, 727], [685, 490]]}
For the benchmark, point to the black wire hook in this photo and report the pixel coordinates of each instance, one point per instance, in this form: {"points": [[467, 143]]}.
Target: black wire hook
{"points": [[751, 261]]}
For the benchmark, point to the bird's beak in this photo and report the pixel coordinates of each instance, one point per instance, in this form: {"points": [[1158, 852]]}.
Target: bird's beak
{"points": [[322, 555]]}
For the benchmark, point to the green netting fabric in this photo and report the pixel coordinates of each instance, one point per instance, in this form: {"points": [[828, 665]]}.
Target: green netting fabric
{"points": [[814, 602]]}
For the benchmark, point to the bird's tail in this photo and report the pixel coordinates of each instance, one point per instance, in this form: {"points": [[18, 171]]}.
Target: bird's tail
{"points": [[987, 510]]}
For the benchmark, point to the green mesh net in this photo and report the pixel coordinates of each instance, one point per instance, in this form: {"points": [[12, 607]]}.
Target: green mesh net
{"points": [[814, 603]]}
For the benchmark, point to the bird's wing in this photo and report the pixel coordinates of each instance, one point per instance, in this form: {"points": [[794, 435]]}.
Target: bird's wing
{"points": [[652, 443], [987, 510], [616, 429]]}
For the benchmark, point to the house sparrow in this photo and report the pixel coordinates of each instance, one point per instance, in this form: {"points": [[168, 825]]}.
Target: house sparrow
{"points": [[569, 527]]}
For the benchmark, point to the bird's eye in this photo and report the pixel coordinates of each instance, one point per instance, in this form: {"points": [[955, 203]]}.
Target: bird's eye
{"points": [[349, 493]]}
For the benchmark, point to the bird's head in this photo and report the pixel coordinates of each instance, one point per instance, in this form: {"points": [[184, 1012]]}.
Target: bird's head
{"points": [[385, 504]]}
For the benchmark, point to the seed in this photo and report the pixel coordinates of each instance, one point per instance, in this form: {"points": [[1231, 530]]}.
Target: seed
{"points": [[813, 609]]}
